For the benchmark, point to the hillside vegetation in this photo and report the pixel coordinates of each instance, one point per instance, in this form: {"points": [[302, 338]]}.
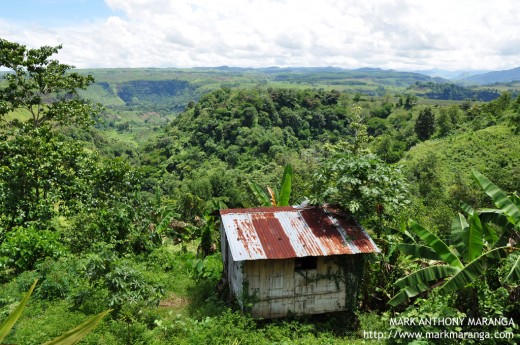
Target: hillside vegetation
{"points": [[115, 207]]}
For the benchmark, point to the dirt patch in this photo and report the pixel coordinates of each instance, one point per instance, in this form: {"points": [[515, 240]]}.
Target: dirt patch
{"points": [[173, 302]]}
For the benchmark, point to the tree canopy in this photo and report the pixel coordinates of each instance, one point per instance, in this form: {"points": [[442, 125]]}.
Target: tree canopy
{"points": [[43, 86]]}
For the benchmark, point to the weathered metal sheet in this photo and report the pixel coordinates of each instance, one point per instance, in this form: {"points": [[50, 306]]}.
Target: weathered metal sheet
{"points": [[288, 232]]}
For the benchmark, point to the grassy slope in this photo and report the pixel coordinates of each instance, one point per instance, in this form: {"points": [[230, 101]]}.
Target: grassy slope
{"points": [[191, 312], [494, 151]]}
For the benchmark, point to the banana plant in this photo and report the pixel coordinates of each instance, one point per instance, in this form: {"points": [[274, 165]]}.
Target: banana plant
{"points": [[274, 197], [476, 245], [506, 216], [449, 269], [507, 213], [68, 338]]}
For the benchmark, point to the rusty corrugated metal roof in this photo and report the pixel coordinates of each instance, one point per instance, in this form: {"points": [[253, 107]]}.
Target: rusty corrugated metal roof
{"points": [[288, 232]]}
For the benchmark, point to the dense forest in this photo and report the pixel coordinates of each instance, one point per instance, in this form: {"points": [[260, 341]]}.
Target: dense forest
{"points": [[109, 193]]}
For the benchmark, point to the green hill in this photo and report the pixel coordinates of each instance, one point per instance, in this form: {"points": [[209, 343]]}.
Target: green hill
{"points": [[172, 89], [440, 171]]}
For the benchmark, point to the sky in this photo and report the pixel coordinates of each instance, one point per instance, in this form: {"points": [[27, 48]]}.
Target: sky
{"points": [[389, 34]]}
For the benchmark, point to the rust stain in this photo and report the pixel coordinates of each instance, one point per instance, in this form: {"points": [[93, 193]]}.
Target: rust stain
{"points": [[325, 231], [268, 209], [248, 237], [272, 236], [357, 235], [287, 232], [305, 237]]}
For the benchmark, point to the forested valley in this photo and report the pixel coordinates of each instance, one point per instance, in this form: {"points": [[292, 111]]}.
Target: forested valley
{"points": [[111, 181]]}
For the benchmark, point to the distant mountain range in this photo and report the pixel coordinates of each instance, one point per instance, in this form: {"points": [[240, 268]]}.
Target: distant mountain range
{"points": [[450, 75], [505, 76], [474, 77], [314, 74], [171, 89]]}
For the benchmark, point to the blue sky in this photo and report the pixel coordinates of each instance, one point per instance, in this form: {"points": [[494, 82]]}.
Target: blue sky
{"points": [[390, 34], [54, 13]]}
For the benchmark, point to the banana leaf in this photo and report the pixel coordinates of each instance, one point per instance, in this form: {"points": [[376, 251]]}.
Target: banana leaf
{"points": [[8, 324], [259, 194], [497, 217], [75, 335], [490, 235], [515, 199], [418, 251], [436, 244], [513, 276], [459, 234], [273, 195], [494, 216], [466, 208], [475, 244], [408, 237], [163, 225], [419, 281], [400, 298], [285, 188], [473, 270], [500, 199]]}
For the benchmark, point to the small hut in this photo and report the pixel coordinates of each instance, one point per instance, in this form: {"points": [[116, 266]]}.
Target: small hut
{"points": [[281, 261]]}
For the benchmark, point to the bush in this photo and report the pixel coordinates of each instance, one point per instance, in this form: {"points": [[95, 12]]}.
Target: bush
{"points": [[114, 282], [435, 307], [58, 278], [23, 247], [209, 268]]}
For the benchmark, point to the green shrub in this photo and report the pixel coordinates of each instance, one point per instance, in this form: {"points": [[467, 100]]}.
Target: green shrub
{"points": [[114, 282], [133, 332], [23, 247], [59, 278], [435, 307], [208, 268]]}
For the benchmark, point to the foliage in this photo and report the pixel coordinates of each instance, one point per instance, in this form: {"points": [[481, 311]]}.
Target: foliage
{"points": [[447, 119], [115, 282], [233, 328], [43, 86], [275, 197], [469, 238], [425, 124], [362, 184], [69, 338], [40, 172], [23, 247], [450, 91], [209, 267], [439, 172], [75, 335], [8, 324]]}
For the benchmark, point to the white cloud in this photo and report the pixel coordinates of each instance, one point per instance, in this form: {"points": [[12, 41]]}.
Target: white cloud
{"points": [[400, 34]]}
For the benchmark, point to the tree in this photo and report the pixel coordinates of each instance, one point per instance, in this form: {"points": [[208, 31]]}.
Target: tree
{"points": [[425, 124], [410, 101], [444, 122], [42, 86], [361, 183], [40, 170]]}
